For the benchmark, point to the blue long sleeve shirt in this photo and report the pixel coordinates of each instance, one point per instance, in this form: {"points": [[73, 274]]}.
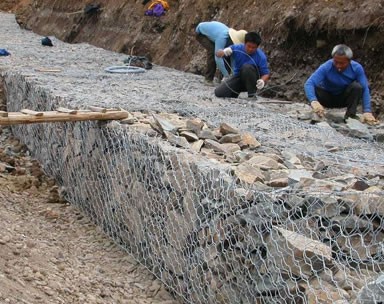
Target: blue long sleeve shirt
{"points": [[257, 59], [217, 32], [331, 80]]}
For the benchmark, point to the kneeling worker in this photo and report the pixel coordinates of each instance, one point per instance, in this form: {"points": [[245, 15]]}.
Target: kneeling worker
{"points": [[340, 82], [251, 70]]}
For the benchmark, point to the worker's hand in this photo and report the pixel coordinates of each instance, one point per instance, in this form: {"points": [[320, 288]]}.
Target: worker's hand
{"points": [[318, 108], [220, 53], [369, 119], [260, 84]]}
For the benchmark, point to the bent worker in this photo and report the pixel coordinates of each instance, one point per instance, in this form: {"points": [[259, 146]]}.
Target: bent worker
{"points": [[214, 36], [340, 82], [251, 70]]}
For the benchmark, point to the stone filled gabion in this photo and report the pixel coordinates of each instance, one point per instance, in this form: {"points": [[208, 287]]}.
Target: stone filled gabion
{"points": [[220, 204]]}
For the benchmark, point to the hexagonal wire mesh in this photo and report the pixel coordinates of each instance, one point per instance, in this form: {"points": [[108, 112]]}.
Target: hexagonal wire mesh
{"points": [[207, 236]]}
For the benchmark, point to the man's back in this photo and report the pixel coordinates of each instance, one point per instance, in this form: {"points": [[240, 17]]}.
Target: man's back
{"points": [[213, 30]]}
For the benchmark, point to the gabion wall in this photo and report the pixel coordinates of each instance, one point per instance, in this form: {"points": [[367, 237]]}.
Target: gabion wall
{"points": [[208, 236]]}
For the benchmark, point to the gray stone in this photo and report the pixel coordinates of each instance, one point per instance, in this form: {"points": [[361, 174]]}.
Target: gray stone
{"points": [[212, 155], [295, 175], [195, 125], [248, 174], [190, 136], [230, 138], [318, 291], [178, 141], [373, 292], [249, 140], [242, 156], [263, 162], [230, 148], [214, 145], [196, 146], [178, 228], [351, 223], [291, 160], [312, 184], [302, 256], [164, 125], [358, 129], [206, 134], [228, 129], [217, 133], [320, 165]]}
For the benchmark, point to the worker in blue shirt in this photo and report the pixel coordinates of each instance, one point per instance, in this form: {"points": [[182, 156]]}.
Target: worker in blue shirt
{"points": [[251, 70], [213, 36], [340, 82]]}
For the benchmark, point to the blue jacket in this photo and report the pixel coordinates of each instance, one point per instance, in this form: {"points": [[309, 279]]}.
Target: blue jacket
{"points": [[258, 59], [217, 32], [331, 80]]}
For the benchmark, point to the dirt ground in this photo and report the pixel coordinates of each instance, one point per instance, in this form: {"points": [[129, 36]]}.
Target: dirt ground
{"points": [[52, 253]]}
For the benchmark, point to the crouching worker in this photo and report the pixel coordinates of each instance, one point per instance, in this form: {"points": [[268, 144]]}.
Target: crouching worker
{"points": [[340, 82], [251, 70]]}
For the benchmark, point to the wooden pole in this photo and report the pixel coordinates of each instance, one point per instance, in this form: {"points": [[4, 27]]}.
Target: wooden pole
{"points": [[15, 118]]}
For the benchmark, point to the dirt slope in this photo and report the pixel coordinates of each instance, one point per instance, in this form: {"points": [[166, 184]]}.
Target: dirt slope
{"points": [[298, 34]]}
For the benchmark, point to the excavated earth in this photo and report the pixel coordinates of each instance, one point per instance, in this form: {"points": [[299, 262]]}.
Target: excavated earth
{"points": [[298, 35]]}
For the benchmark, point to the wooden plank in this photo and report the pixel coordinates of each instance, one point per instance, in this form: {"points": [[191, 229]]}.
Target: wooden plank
{"points": [[31, 112], [97, 109], [65, 110], [15, 118], [3, 114]]}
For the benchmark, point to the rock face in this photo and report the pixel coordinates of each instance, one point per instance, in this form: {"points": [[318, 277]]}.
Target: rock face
{"points": [[274, 218]]}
